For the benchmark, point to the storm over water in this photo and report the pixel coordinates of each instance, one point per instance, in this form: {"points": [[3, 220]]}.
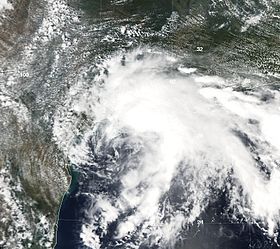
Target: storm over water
{"points": [[163, 114], [169, 142]]}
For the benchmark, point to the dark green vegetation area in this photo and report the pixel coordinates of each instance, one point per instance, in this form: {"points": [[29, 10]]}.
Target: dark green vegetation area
{"points": [[216, 36]]}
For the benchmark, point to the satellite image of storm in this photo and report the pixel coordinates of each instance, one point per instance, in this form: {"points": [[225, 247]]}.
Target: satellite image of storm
{"points": [[139, 124]]}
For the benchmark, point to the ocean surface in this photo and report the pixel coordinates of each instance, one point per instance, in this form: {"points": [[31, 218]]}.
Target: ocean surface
{"points": [[168, 113], [177, 122]]}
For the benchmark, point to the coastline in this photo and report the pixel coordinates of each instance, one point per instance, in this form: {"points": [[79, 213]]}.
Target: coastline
{"points": [[73, 180]]}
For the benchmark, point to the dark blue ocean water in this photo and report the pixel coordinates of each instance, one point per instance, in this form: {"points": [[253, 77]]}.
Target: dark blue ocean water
{"points": [[216, 231]]}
